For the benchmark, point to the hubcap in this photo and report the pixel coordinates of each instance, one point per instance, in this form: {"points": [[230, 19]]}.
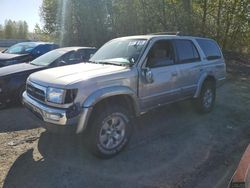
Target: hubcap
{"points": [[112, 131], [208, 98]]}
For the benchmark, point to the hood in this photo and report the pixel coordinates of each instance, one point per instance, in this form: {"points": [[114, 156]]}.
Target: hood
{"points": [[66, 75], [17, 68], [6, 56]]}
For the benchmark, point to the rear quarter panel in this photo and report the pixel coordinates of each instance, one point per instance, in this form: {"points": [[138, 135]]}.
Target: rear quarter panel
{"points": [[215, 68]]}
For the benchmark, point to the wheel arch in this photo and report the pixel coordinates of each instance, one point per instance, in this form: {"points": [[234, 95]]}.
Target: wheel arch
{"points": [[113, 95], [204, 78]]}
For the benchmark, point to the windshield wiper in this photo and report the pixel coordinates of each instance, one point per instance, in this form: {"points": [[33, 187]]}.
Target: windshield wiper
{"points": [[36, 64], [107, 63], [111, 63], [90, 62]]}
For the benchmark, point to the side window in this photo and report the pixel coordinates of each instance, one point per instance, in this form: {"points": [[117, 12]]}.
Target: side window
{"points": [[210, 48], [70, 58], [42, 49], [86, 54], [161, 54], [92, 52], [82, 55], [186, 51]]}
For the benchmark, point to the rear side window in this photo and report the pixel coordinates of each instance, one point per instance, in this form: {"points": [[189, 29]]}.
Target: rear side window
{"points": [[44, 48], [186, 51], [85, 54], [210, 48], [89, 53]]}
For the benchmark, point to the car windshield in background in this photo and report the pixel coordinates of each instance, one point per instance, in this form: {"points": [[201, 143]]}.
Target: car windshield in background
{"points": [[121, 51], [48, 58], [21, 48]]}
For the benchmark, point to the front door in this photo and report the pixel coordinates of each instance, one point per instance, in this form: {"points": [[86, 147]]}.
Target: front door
{"points": [[160, 66]]}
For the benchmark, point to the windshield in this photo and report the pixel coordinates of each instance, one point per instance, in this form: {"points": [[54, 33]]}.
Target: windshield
{"points": [[123, 51], [48, 58], [21, 48]]}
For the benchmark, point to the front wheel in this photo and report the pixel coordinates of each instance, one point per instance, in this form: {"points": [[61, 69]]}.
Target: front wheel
{"points": [[20, 95], [110, 131], [205, 102]]}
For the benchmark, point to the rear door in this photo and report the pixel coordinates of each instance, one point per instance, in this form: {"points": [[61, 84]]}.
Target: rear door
{"points": [[188, 66]]}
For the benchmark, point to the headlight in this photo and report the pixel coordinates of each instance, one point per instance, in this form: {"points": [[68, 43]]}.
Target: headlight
{"points": [[55, 95]]}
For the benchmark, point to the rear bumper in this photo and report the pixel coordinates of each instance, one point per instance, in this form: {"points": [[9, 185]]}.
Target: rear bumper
{"points": [[56, 119]]}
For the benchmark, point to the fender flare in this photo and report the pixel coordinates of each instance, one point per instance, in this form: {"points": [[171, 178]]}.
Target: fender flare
{"points": [[200, 83], [101, 94]]}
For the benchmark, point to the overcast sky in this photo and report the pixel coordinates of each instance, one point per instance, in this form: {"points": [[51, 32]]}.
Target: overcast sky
{"points": [[26, 10]]}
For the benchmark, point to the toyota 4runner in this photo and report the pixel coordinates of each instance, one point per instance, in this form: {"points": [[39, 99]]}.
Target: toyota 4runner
{"points": [[125, 78]]}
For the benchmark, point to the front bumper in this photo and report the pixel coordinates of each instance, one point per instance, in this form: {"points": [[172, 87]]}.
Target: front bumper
{"points": [[56, 118]]}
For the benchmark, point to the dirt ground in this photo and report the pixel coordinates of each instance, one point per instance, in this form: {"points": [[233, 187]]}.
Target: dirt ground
{"points": [[172, 147]]}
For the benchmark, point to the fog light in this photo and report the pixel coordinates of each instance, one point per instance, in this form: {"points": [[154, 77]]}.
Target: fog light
{"points": [[55, 117]]}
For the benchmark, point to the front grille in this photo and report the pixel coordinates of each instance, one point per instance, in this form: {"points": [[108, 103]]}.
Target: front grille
{"points": [[35, 92]]}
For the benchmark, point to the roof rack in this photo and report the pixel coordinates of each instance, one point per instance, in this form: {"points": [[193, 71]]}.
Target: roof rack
{"points": [[177, 33]]}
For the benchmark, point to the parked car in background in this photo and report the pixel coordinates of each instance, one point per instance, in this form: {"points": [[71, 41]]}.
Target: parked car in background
{"points": [[13, 78], [25, 52], [125, 78]]}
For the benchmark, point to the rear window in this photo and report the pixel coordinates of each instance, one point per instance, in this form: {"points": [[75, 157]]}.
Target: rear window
{"points": [[210, 48], [187, 52]]}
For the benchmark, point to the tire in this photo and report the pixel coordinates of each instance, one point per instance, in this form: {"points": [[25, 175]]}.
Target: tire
{"points": [[109, 132], [20, 95], [205, 101]]}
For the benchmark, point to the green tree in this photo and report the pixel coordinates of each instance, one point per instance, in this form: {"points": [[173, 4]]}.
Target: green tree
{"points": [[49, 15], [1, 31], [9, 30], [93, 22], [22, 30], [15, 30]]}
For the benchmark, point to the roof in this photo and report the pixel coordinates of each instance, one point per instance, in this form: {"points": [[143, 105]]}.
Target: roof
{"points": [[75, 48], [151, 36], [36, 43]]}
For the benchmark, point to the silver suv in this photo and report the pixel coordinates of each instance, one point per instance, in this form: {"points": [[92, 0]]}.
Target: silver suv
{"points": [[125, 78]]}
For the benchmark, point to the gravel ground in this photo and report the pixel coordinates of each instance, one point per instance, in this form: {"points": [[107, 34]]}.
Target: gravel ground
{"points": [[171, 147]]}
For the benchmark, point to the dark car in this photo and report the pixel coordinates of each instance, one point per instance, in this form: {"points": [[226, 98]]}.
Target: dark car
{"points": [[25, 52], [13, 78]]}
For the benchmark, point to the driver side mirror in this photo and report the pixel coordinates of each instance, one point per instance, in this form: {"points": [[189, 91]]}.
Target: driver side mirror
{"points": [[3, 51], [148, 75]]}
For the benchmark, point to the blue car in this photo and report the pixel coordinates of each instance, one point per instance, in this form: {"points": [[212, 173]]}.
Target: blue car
{"points": [[25, 52], [13, 78]]}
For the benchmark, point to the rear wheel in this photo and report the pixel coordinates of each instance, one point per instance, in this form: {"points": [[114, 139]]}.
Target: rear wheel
{"points": [[109, 132], [205, 102]]}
